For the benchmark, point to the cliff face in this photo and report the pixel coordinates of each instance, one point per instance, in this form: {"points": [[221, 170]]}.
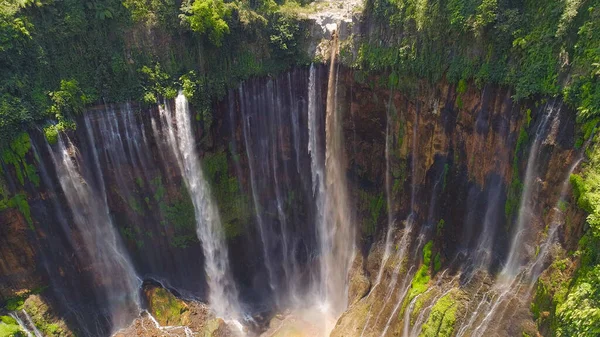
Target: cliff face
{"points": [[18, 265], [467, 154], [445, 165]]}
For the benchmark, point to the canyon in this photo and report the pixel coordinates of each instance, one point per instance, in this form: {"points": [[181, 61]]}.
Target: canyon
{"points": [[318, 201]]}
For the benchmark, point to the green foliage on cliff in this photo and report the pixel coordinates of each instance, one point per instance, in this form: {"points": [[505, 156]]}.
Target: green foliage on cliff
{"points": [[19, 201], [373, 206], [525, 45], [44, 318], [441, 318], [420, 281], [437, 262], [15, 155], [208, 17], [515, 188], [10, 328], [572, 298], [59, 56], [233, 203], [166, 308], [180, 216]]}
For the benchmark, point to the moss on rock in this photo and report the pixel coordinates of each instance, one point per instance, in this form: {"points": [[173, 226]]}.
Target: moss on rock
{"points": [[10, 328], [166, 308], [442, 317], [45, 319], [233, 203]]}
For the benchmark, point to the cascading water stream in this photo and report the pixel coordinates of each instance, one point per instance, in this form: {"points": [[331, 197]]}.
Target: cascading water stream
{"points": [[336, 231], [557, 220], [316, 155], [223, 294], [405, 241], [483, 253], [253, 187], [514, 260], [509, 282], [28, 327], [408, 311], [402, 246], [388, 196], [34, 328], [404, 288], [168, 330], [107, 257], [276, 149], [294, 117], [445, 288]]}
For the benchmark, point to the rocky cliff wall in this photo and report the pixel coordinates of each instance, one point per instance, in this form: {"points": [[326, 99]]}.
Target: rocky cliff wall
{"points": [[454, 156]]}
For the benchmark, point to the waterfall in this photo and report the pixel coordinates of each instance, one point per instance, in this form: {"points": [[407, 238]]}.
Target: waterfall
{"points": [[223, 295], [407, 312], [483, 253], [294, 112], [557, 219], [246, 128], [403, 244], [388, 195], [316, 155], [446, 287], [510, 281], [107, 257], [36, 331], [405, 240], [28, 327], [515, 256], [336, 230], [277, 151]]}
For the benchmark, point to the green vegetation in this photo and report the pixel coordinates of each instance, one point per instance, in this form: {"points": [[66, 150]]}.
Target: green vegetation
{"points": [[133, 234], [43, 318], [568, 298], [233, 203], [10, 329], [442, 318], [519, 44], [373, 206], [437, 263], [420, 281], [15, 303], [180, 216], [440, 227], [59, 56], [515, 188], [175, 210], [577, 302], [18, 201], [166, 308], [208, 17], [8, 320], [14, 155]]}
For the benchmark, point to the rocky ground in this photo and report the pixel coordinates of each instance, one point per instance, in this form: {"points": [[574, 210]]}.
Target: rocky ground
{"points": [[170, 316]]}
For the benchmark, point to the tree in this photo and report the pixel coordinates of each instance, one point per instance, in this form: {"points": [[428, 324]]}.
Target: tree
{"points": [[207, 17]]}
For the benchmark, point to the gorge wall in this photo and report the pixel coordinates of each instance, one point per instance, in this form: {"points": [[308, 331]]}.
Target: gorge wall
{"points": [[433, 185]]}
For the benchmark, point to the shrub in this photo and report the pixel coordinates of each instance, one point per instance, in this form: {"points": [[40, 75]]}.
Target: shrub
{"points": [[207, 17]]}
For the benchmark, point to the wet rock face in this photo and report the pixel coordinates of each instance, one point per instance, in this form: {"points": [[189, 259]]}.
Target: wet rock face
{"points": [[168, 315], [18, 262], [453, 159], [462, 150], [457, 148]]}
